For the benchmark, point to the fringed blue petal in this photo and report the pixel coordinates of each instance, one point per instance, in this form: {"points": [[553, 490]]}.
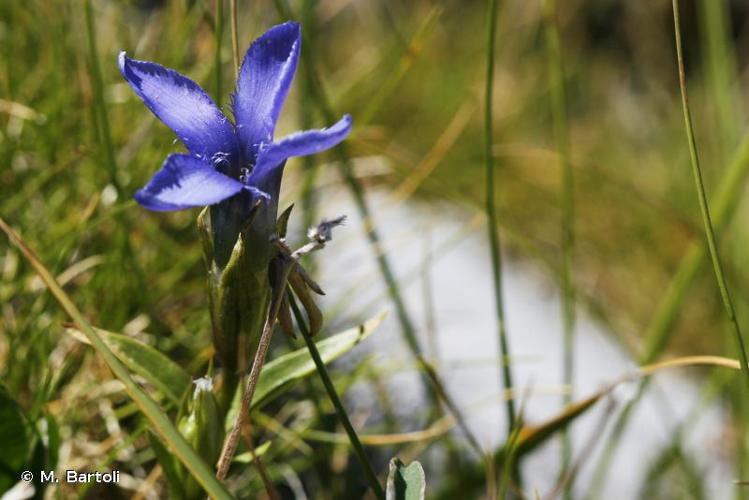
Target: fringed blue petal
{"points": [[185, 181], [183, 106], [271, 157], [264, 80]]}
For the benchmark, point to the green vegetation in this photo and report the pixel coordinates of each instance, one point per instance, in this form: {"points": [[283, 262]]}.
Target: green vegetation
{"points": [[104, 314]]}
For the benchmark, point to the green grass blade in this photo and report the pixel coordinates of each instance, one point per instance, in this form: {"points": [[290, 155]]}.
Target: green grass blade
{"points": [[160, 371], [491, 212], [720, 61], [219, 35], [234, 36], [702, 198], [559, 117]]}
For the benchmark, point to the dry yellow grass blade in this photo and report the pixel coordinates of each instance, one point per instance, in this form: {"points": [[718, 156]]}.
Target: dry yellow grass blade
{"points": [[442, 146]]}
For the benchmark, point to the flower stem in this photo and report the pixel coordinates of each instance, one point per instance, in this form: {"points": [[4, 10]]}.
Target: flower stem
{"points": [[561, 133], [290, 260], [704, 207], [491, 213], [333, 395], [232, 440]]}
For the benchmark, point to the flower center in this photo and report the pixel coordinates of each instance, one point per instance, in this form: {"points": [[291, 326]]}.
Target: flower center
{"points": [[244, 175], [221, 162]]}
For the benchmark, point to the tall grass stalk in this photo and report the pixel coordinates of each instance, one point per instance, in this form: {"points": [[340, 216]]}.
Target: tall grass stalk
{"points": [[102, 121], [234, 37], [306, 114], [491, 214], [345, 168], [561, 133], [720, 63], [336, 400], [717, 266], [702, 197], [219, 32]]}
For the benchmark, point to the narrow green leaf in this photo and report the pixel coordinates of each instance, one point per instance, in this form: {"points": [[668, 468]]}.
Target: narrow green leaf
{"points": [[406, 482], [298, 364], [160, 371]]}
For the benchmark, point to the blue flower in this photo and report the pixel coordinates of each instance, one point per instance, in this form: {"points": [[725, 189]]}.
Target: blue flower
{"points": [[235, 163]]}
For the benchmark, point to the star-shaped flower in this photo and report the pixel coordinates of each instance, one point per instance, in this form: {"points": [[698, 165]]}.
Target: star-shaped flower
{"points": [[227, 160]]}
